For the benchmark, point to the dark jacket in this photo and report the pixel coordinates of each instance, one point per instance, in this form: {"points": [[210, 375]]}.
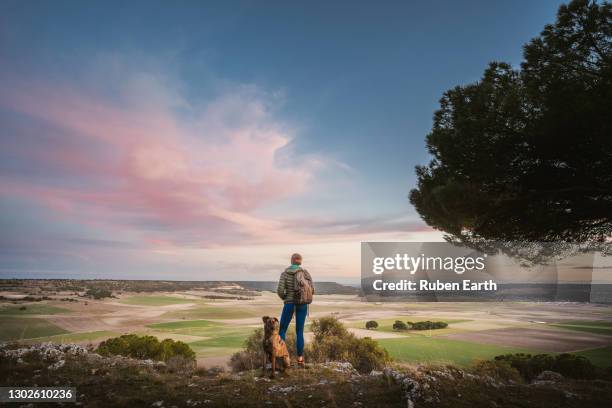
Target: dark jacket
{"points": [[286, 284]]}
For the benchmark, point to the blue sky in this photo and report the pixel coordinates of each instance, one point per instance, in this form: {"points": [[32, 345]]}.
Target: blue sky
{"points": [[297, 126]]}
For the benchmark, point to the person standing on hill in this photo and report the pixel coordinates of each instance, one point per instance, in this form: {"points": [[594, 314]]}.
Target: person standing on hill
{"points": [[296, 289]]}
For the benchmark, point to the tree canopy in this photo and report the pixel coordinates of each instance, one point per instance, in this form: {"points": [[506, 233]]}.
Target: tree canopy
{"points": [[525, 154]]}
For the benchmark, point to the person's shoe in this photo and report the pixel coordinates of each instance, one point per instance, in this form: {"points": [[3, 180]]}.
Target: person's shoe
{"points": [[300, 361]]}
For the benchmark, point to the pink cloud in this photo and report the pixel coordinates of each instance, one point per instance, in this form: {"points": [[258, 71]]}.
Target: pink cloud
{"points": [[142, 164], [148, 164]]}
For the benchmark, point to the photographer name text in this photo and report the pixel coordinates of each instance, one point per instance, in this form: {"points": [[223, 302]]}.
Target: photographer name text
{"points": [[437, 285]]}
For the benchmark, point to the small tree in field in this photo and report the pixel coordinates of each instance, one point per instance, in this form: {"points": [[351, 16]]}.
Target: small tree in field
{"points": [[370, 325], [399, 325]]}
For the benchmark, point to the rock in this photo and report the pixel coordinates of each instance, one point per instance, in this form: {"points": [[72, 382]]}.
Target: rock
{"points": [[157, 404], [549, 376], [410, 387], [45, 351], [376, 373], [341, 366], [57, 365], [569, 395], [284, 390]]}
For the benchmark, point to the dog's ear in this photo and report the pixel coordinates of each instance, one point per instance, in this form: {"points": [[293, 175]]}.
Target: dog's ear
{"points": [[275, 319], [265, 318]]}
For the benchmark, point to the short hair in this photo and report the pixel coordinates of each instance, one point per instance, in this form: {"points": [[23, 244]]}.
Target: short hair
{"points": [[296, 257]]}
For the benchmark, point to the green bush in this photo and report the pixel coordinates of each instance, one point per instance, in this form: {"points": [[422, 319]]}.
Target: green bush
{"points": [[399, 325], [146, 347], [98, 293], [371, 325], [332, 342], [328, 326], [428, 325], [497, 369], [569, 365]]}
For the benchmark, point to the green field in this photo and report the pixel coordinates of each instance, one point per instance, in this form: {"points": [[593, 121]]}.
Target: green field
{"points": [[158, 300], [214, 312], [420, 349], [601, 357], [32, 309], [18, 328], [219, 338], [598, 326], [191, 327]]}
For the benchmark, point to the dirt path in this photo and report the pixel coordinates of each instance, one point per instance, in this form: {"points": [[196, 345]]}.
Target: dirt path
{"points": [[375, 334]]}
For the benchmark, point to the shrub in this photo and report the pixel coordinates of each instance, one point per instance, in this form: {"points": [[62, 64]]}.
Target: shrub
{"points": [[98, 293], [399, 325], [328, 326], [146, 347], [366, 355], [573, 366], [497, 369], [169, 349], [244, 361], [180, 364], [569, 365], [428, 325], [332, 342], [371, 325]]}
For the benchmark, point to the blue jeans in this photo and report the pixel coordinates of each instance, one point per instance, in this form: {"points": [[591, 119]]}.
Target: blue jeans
{"points": [[300, 318]]}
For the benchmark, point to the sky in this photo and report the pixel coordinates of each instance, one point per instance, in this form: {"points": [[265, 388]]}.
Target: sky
{"points": [[203, 140]]}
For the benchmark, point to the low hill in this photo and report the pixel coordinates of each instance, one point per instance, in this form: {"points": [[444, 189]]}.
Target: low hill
{"points": [[322, 288], [46, 286]]}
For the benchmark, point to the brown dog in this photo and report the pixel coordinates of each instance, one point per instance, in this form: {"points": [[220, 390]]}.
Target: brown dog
{"points": [[274, 347]]}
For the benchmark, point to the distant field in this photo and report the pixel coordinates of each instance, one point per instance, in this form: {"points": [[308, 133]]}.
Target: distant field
{"points": [[32, 309], [158, 300], [598, 327], [218, 338], [601, 357], [435, 349], [204, 328], [214, 312], [76, 337], [186, 326], [18, 328], [229, 338]]}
